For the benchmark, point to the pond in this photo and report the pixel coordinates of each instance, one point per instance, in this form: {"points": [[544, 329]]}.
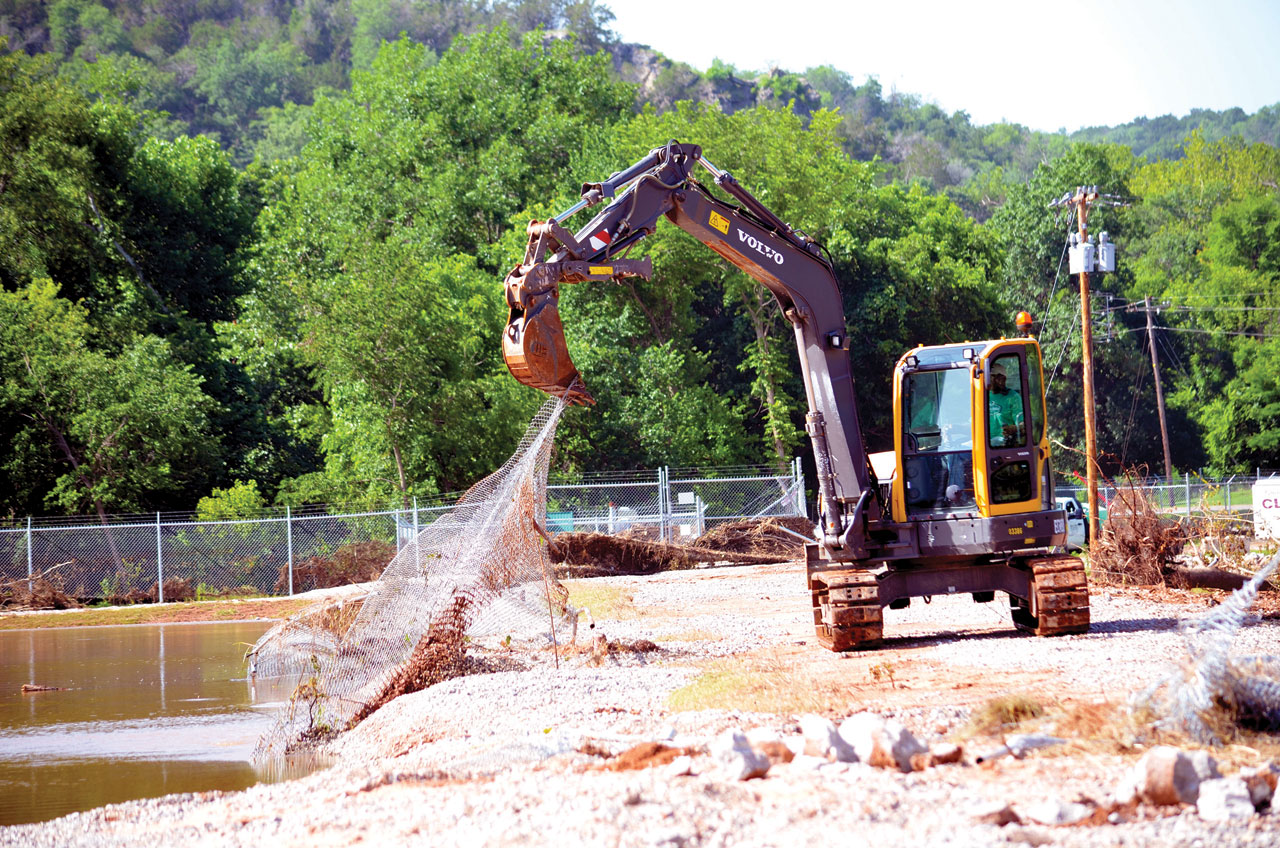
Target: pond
{"points": [[140, 711]]}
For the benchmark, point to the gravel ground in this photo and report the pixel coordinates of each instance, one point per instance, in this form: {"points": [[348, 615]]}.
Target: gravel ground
{"points": [[520, 756]]}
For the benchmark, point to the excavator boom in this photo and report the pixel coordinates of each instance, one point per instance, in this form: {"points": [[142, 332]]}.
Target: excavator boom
{"points": [[750, 236]]}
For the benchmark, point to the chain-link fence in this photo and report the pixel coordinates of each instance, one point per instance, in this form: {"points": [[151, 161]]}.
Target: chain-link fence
{"points": [[285, 551], [1188, 494]]}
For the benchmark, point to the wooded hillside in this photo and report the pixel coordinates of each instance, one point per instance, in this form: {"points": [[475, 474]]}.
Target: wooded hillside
{"points": [[253, 251]]}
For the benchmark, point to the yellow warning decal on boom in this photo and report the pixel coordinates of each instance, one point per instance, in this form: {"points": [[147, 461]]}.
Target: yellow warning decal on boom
{"points": [[600, 269], [719, 222]]}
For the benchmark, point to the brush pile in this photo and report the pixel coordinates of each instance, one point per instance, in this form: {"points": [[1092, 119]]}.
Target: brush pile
{"points": [[359, 562], [753, 541], [41, 591], [1138, 545]]}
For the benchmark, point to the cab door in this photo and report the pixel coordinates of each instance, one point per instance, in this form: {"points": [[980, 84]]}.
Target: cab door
{"points": [[1009, 424]]}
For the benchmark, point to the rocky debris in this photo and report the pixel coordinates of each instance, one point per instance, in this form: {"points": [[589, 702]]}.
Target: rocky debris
{"points": [[1224, 799], [880, 742], [942, 753], [681, 766], [736, 757], [1262, 784], [769, 743], [1056, 812], [998, 813], [1167, 776], [821, 739]]}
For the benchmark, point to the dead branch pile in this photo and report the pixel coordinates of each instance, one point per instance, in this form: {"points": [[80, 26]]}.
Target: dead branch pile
{"points": [[764, 536], [175, 589], [42, 591], [1137, 545], [359, 562], [601, 555]]}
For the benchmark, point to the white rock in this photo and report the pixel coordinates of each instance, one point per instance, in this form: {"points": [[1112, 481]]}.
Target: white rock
{"points": [[1205, 765], [681, 766], [1224, 799], [822, 740], [795, 744], [1262, 782], [1055, 812], [880, 742], [736, 758]]}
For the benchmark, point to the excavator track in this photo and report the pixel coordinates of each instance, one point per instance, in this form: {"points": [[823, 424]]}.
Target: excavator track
{"points": [[1059, 601], [846, 610]]}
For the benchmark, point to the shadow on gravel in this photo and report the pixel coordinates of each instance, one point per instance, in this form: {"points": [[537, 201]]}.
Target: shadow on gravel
{"points": [[1123, 625]]}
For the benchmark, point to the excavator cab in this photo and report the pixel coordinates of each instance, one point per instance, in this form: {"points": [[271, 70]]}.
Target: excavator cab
{"points": [[970, 431]]}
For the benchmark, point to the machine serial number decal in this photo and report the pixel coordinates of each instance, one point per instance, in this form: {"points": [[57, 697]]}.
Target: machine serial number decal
{"points": [[760, 247], [600, 269], [1015, 531], [720, 222]]}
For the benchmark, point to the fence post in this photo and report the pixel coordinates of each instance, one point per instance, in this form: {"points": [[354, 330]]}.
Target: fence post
{"points": [[288, 533], [1229, 495], [1186, 480], [797, 480], [664, 502], [159, 564], [417, 554], [29, 565]]}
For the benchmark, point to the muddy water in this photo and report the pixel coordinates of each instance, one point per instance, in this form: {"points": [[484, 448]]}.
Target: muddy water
{"points": [[142, 711]]}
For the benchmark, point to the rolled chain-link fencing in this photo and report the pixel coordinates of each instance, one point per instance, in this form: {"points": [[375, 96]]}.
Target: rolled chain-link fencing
{"points": [[480, 569]]}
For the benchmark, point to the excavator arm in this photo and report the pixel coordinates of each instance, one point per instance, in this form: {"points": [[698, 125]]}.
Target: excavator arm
{"points": [[782, 259]]}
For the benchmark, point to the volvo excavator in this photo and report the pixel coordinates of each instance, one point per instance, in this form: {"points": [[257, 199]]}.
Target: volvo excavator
{"points": [[963, 504]]}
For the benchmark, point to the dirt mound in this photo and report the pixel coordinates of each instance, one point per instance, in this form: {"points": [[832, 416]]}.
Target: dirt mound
{"points": [[359, 562], [601, 555], [763, 536]]}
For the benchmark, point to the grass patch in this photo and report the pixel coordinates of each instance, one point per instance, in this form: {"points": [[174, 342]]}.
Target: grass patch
{"points": [[604, 602], [1003, 713], [155, 614], [766, 684]]}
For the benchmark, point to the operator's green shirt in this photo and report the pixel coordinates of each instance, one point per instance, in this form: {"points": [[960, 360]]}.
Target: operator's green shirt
{"points": [[1003, 409]]}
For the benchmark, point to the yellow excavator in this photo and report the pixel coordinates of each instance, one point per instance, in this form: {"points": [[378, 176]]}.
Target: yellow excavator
{"points": [[963, 504]]}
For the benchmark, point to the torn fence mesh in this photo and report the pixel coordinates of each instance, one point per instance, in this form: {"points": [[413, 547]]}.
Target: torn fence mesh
{"points": [[480, 569], [1214, 686]]}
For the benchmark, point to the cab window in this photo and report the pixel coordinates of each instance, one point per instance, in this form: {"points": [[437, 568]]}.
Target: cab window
{"points": [[1036, 398], [938, 459], [1006, 412]]}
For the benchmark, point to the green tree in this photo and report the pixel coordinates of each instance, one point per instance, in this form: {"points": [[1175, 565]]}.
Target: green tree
{"points": [[122, 431]]}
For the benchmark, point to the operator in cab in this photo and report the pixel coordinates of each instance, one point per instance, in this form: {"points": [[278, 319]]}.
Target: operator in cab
{"points": [[1004, 408]]}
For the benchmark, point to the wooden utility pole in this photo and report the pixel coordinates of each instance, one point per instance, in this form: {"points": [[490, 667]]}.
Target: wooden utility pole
{"points": [[1084, 262], [1155, 369], [1081, 200]]}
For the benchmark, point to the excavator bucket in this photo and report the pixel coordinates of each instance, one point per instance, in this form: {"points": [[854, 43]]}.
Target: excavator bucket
{"points": [[534, 349], [533, 344]]}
